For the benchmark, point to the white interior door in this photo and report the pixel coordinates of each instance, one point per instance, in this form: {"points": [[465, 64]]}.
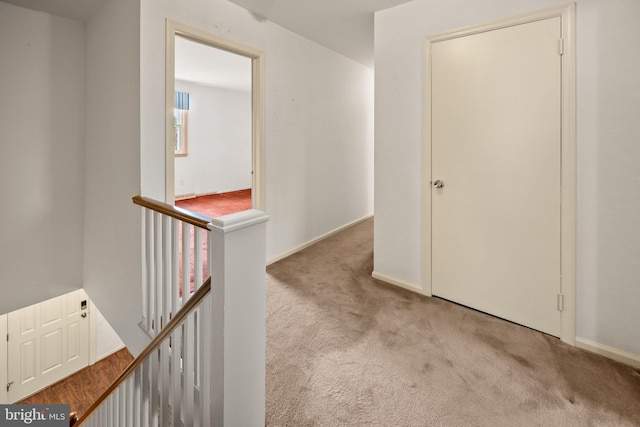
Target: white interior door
{"points": [[3, 360], [47, 342], [496, 156]]}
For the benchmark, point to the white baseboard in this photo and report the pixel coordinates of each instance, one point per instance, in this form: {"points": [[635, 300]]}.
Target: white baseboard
{"points": [[209, 193], [630, 359], [184, 196], [110, 352], [188, 196], [317, 239], [398, 282]]}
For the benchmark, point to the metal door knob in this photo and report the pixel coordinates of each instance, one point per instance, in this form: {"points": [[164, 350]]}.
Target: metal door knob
{"points": [[438, 183]]}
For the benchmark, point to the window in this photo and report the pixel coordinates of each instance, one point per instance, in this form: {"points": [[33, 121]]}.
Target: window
{"points": [[180, 128]]}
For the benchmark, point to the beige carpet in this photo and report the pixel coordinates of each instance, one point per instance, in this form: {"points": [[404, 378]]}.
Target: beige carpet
{"points": [[344, 349]]}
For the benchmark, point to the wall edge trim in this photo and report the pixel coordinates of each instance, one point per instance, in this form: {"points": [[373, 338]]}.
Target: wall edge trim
{"points": [[398, 282], [613, 353]]}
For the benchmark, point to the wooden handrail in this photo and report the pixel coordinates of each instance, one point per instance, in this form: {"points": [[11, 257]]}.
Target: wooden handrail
{"points": [[176, 212], [195, 299]]}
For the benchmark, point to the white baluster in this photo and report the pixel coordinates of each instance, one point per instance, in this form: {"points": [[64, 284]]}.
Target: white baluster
{"points": [[146, 393], [197, 362], [176, 375], [149, 283], [165, 383], [175, 265], [137, 399], [205, 362], [115, 400], [129, 399], [197, 255], [186, 261], [167, 275], [108, 415], [156, 288], [187, 369], [120, 406], [155, 388]]}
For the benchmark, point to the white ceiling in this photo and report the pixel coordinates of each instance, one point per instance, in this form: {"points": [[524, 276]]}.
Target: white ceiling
{"points": [[344, 26], [80, 10], [209, 66]]}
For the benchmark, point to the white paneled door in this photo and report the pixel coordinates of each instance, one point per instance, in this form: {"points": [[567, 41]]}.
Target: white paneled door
{"points": [[47, 342], [496, 175]]}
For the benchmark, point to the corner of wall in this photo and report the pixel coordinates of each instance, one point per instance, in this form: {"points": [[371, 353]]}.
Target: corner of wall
{"points": [[106, 340]]}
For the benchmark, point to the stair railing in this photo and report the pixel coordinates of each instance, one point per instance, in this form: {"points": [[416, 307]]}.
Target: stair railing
{"points": [[176, 259], [168, 384], [205, 365]]}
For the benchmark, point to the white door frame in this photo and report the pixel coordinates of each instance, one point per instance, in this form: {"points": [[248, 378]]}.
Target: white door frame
{"points": [[568, 157], [174, 29]]}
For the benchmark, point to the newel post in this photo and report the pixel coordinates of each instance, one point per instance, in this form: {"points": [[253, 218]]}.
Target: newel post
{"points": [[237, 257]]}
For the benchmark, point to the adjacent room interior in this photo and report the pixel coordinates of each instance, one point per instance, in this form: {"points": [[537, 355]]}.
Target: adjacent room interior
{"points": [[213, 125]]}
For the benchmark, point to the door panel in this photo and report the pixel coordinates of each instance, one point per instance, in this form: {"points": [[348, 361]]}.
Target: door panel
{"points": [[47, 342], [496, 99]]}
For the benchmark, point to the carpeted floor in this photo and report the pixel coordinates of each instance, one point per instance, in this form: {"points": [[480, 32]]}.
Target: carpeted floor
{"points": [[220, 204], [344, 349]]}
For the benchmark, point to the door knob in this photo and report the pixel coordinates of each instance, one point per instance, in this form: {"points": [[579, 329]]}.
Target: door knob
{"points": [[438, 183]]}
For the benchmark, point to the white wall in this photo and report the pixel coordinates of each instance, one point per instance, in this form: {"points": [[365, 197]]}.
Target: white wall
{"points": [[319, 120], [106, 340], [218, 141], [608, 92], [41, 156], [112, 243]]}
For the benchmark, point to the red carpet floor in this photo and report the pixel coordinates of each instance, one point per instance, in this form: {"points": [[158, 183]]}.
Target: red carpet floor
{"points": [[220, 204]]}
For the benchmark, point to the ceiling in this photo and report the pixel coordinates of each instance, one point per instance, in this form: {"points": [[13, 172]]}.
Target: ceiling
{"points": [[344, 26], [80, 10], [206, 65]]}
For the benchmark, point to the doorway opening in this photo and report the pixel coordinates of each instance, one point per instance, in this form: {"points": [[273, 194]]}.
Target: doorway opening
{"points": [[214, 123]]}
